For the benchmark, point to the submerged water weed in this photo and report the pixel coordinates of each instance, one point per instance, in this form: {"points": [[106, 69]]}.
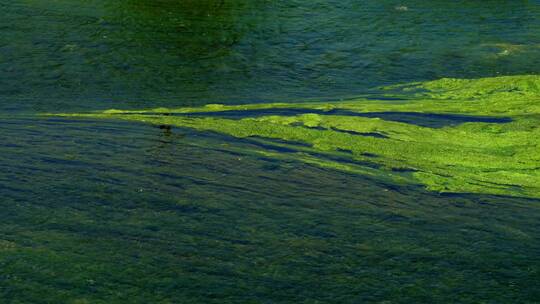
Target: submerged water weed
{"points": [[471, 157]]}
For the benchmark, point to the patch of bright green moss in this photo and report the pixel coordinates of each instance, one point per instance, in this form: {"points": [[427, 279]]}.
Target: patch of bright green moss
{"points": [[473, 157]]}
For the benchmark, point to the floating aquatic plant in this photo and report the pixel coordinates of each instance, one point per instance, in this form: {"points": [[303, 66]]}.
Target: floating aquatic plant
{"points": [[493, 147]]}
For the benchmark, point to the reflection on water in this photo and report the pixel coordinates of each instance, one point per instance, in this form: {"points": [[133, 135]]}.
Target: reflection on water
{"points": [[193, 30]]}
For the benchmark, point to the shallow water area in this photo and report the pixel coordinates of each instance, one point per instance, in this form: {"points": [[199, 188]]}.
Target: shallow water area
{"points": [[117, 210], [152, 213]]}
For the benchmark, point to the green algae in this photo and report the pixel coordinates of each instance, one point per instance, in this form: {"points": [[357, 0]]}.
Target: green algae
{"points": [[472, 157]]}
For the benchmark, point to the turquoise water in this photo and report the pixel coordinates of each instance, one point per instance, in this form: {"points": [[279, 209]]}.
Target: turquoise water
{"points": [[119, 212]]}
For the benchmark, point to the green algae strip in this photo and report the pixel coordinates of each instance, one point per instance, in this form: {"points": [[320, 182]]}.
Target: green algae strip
{"points": [[471, 157]]}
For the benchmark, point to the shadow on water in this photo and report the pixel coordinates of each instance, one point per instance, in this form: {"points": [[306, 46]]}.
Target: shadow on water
{"points": [[431, 120], [192, 29]]}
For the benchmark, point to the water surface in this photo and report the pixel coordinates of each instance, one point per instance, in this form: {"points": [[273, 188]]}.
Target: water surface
{"points": [[122, 212]]}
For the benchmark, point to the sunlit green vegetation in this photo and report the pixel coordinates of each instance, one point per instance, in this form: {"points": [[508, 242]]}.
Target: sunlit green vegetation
{"points": [[496, 157]]}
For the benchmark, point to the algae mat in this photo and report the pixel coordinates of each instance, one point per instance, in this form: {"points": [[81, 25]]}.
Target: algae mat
{"points": [[450, 135]]}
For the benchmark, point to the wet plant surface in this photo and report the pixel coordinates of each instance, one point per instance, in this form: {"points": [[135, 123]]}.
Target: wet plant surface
{"points": [[269, 152]]}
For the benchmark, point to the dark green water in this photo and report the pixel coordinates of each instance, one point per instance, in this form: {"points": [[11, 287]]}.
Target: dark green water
{"points": [[117, 212]]}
